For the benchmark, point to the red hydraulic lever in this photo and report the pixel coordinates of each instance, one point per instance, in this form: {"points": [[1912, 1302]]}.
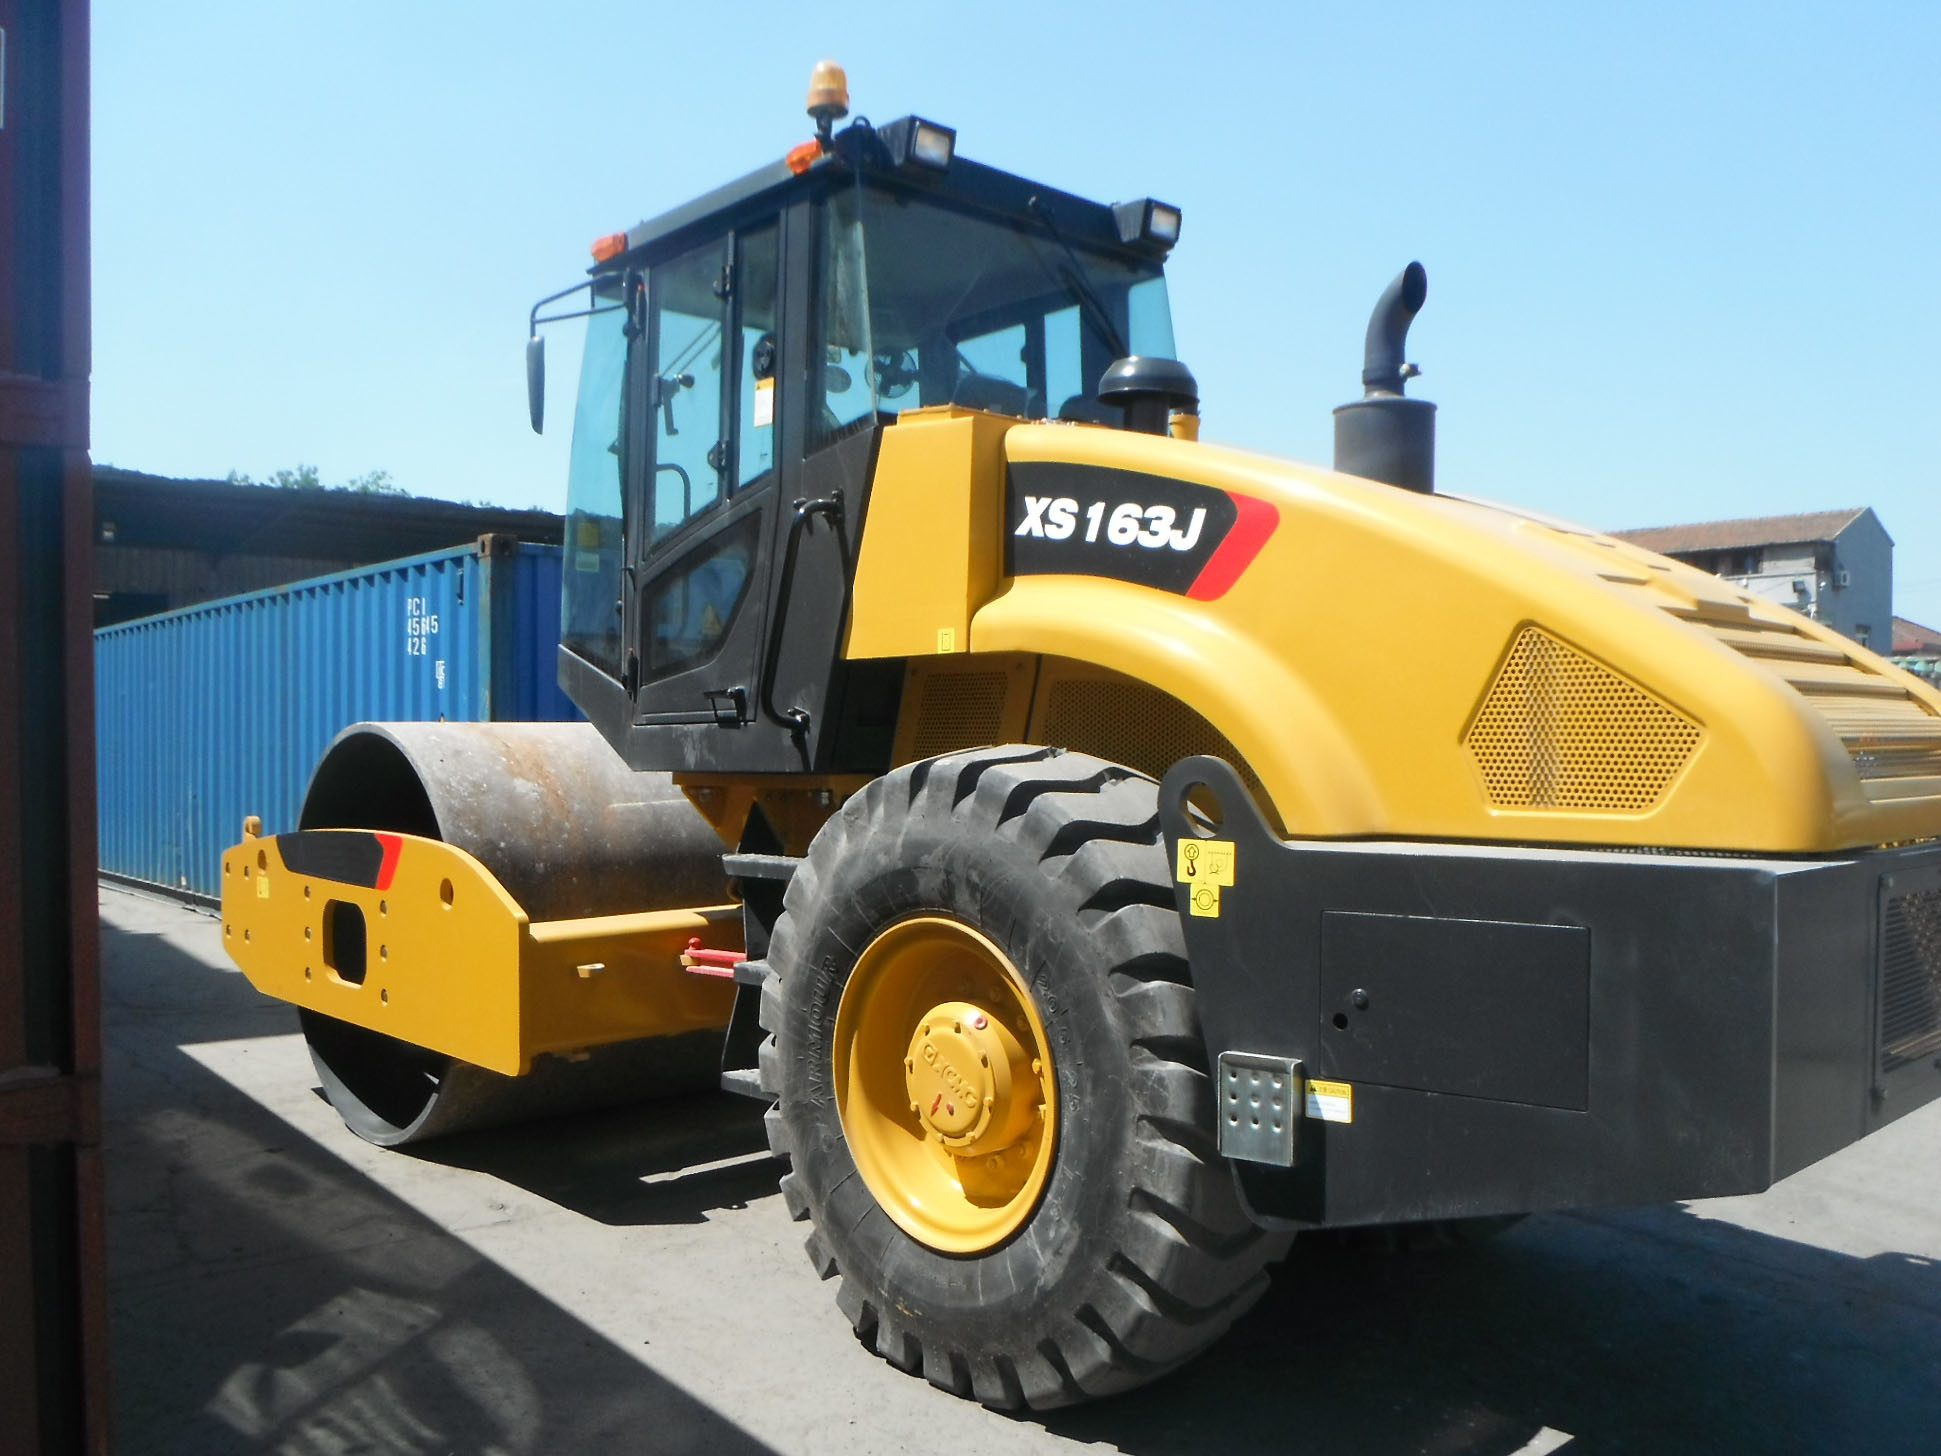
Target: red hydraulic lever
{"points": [[701, 961]]}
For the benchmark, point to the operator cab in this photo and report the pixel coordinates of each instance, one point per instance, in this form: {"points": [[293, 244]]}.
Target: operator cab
{"points": [[742, 355]]}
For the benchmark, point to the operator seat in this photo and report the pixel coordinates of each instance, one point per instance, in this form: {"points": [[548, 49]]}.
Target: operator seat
{"points": [[988, 392]]}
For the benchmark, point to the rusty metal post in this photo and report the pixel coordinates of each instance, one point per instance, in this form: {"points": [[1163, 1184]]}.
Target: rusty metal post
{"points": [[53, 1305]]}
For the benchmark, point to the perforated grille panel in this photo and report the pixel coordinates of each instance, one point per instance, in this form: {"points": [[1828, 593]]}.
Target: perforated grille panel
{"points": [[959, 710], [1136, 725], [1910, 978], [1558, 730]]}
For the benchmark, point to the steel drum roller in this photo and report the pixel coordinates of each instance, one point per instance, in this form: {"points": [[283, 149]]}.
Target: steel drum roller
{"points": [[570, 831]]}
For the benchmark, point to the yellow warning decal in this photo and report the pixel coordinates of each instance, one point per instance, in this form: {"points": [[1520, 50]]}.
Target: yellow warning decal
{"points": [[1330, 1101], [1204, 866], [262, 886], [1205, 900], [946, 639], [1204, 861]]}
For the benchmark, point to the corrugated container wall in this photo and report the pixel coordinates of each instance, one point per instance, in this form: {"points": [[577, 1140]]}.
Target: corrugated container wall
{"points": [[219, 710]]}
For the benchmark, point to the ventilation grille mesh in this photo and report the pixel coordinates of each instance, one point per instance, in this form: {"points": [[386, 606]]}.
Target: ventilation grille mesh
{"points": [[1910, 979], [1138, 726], [1887, 731], [959, 710], [1558, 730], [1886, 737]]}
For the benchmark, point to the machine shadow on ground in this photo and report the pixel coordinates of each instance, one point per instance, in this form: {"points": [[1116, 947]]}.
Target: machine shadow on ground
{"points": [[1647, 1330], [268, 1297], [663, 1162], [1651, 1330]]}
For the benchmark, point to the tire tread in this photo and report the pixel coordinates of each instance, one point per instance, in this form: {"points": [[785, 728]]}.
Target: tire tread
{"points": [[1189, 1261]]}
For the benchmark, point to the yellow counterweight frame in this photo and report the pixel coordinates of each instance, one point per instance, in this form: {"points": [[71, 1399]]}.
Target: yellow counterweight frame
{"points": [[451, 962]]}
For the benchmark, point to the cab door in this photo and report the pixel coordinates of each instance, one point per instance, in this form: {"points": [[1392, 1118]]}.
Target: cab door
{"points": [[705, 495]]}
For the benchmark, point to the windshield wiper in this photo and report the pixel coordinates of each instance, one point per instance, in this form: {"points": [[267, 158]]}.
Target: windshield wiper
{"points": [[1073, 277]]}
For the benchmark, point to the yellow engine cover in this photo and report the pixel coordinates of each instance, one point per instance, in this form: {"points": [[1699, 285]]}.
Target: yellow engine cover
{"points": [[1395, 664]]}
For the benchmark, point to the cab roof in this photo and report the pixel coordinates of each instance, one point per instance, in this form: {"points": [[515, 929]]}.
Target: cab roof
{"points": [[860, 149]]}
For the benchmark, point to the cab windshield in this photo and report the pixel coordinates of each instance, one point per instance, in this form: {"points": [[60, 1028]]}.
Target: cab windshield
{"points": [[925, 304]]}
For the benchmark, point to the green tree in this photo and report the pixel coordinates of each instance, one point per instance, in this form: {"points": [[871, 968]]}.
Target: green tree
{"points": [[307, 477]]}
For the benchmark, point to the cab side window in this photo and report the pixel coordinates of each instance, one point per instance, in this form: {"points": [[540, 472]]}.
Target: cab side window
{"points": [[717, 350], [758, 295], [690, 454], [843, 372], [691, 607]]}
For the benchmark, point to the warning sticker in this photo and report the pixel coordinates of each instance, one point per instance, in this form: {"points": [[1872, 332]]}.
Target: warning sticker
{"points": [[1331, 1101], [1205, 900], [1204, 861], [764, 403], [262, 886]]}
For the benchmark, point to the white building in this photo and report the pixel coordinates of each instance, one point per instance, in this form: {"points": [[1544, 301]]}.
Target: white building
{"points": [[1835, 566]]}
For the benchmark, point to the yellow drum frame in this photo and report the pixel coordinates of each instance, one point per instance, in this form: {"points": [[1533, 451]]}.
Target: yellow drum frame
{"points": [[450, 960]]}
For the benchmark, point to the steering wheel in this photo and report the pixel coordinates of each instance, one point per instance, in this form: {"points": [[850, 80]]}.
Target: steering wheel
{"points": [[894, 372]]}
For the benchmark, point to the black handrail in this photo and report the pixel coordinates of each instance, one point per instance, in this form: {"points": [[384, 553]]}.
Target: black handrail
{"points": [[796, 720]]}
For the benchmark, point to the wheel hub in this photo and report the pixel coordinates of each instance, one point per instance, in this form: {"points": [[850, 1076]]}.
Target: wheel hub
{"points": [[944, 1084], [964, 1073]]}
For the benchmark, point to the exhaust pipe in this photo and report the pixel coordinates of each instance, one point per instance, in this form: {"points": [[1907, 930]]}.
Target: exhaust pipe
{"points": [[1384, 435]]}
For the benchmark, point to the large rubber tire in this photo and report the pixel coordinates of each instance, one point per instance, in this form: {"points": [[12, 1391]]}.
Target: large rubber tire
{"points": [[1136, 1255]]}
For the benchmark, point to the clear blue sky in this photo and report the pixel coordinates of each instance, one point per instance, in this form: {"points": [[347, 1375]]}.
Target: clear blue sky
{"points": [[1681, 257]]}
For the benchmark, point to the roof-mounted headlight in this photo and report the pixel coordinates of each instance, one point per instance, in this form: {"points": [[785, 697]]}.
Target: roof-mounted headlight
{"points": [[1147, 221], [916, 142]]}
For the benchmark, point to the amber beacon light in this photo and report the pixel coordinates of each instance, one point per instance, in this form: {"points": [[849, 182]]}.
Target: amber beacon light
{"points": [[828, 96]]}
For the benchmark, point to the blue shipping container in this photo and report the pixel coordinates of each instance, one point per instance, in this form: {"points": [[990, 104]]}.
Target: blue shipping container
{"points": [[219, 710]]}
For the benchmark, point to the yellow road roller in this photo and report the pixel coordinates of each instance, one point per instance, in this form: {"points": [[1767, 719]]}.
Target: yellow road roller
{"points": [[1011, 790]]}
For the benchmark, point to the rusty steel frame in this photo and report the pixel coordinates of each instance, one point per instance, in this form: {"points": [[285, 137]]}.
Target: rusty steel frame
{"points": [[53, 1302]]}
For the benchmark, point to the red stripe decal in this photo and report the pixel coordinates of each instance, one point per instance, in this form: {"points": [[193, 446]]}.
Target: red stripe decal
{"points": [[1255, 523], [392, 844]]}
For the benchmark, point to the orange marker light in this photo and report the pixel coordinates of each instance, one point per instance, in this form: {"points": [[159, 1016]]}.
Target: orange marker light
{"points": [[610, 246], [802, 157]]}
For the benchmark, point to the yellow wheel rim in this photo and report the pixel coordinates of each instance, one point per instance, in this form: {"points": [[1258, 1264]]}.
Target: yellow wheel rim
{"points": [[945, 1084]]}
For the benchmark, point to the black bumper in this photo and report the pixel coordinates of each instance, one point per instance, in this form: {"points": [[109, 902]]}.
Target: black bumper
{"points": [[1526, 1029]]}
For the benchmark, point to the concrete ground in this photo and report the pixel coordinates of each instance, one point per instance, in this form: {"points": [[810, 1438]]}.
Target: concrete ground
{"points": [[630, 1282]]}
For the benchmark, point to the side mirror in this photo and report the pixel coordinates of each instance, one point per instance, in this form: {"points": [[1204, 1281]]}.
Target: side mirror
{"points": [[536, 382]]}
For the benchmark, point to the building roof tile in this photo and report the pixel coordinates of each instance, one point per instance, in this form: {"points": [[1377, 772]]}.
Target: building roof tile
{"points": [[1913, 637], [1810, 526]]}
